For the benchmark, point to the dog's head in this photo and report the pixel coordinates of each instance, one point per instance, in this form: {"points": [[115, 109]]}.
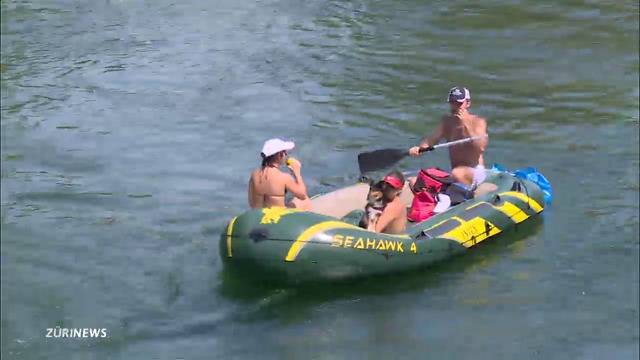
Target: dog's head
{"points": [[375, 193]]}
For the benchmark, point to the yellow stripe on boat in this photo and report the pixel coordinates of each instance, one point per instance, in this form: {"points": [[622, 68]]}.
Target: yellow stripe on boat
{"points": [[229, 236], [534, 204], [476, 205], [512, 211], [508, 208], [442, 222], [472, 232], [301, 241], [310, 232]]}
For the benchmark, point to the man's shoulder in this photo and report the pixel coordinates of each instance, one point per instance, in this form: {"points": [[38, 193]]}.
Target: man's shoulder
{"points": [[478, 118], [480, 123], [447, 121], [447, 117]]}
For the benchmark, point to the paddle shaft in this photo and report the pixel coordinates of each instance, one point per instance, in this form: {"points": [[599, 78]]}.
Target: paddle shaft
{"points": [[379, 159], [451, 143]]}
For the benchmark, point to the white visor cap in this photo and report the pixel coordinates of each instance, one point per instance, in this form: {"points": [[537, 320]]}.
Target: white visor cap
{"points": [[274, 146], [444, 203]]}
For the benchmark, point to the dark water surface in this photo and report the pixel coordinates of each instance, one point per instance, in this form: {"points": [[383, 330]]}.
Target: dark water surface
{"points": [[129, 129]]}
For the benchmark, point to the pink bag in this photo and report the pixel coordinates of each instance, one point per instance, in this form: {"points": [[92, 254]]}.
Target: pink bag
{"points": [[429, 183]]}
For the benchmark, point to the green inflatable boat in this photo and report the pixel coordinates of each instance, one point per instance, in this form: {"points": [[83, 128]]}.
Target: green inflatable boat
{"points": [[297, 246]]}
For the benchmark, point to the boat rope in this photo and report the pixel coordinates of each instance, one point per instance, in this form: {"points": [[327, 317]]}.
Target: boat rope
{"points": [[526, 190]]}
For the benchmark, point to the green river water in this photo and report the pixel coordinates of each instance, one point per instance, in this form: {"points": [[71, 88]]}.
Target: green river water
{"points": [[129, 129]]}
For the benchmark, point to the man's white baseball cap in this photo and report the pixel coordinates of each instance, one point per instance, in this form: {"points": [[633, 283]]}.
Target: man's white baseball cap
{"points": [[274, 146], [459, 94]]}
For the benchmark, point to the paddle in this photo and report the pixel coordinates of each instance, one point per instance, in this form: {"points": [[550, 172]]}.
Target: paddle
{"points": [[380, 159]]}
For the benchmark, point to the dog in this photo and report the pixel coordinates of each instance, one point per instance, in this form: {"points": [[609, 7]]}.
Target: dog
{"points": [[375, 204]]}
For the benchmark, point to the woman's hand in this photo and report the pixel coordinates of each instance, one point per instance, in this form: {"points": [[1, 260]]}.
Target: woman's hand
{"points": [[294, 165], [371, 226]]}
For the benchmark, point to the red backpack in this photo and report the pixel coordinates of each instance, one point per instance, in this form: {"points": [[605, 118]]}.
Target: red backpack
{"points": [[429, 183]]}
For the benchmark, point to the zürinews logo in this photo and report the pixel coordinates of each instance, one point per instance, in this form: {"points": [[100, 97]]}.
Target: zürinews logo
{"points": [[58, 332]]}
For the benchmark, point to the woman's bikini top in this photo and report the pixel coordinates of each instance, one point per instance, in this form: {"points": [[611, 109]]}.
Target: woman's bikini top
{"points": [[283, 195], [272, 195]]}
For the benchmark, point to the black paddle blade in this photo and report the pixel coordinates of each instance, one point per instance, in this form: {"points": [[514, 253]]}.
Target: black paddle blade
{"points": [[380, 159]]}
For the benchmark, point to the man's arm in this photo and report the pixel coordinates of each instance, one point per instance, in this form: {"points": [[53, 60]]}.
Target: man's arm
{"points": [[434, 138], [481, 130], [427, 141]]}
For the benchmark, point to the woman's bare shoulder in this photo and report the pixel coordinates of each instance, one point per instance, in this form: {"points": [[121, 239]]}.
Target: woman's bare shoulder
{"points": [[396, 205]]}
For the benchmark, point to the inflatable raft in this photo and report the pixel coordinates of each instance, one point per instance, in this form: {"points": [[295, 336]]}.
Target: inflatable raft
{"points": [[297, 246]]}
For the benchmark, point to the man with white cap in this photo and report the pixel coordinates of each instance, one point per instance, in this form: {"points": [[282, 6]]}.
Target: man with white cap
{"points": [[268, 185], [467, 161]]}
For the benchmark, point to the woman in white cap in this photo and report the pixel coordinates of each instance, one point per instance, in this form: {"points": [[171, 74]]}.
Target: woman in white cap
{"points": [[268, 185]]}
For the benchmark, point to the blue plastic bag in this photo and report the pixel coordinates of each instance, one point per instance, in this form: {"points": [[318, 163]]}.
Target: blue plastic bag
{"points": [[499, 168], [533, 175]]}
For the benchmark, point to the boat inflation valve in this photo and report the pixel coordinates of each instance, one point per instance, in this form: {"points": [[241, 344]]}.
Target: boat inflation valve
{"points": [[259, 234], [364, 179]]}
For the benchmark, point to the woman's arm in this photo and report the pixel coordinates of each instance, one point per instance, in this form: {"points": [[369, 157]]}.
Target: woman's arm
{"points": [[371, 225], [390, 213], [250, 192], [296, 185]]}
